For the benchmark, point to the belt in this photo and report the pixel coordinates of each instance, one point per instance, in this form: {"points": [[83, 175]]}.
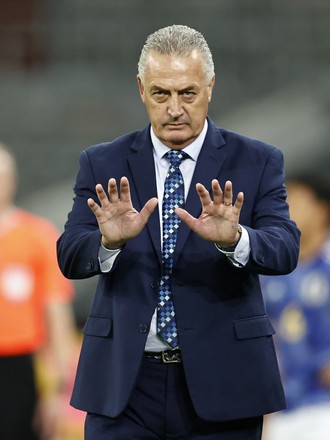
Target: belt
{"points": [[165, 357]]}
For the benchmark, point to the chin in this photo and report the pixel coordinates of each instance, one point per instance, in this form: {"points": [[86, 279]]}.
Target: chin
{"points": [[176, 144], [178, 140]]}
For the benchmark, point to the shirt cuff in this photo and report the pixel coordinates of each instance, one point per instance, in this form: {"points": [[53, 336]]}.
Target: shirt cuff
{"points": [[240, 255], [107, 258]]}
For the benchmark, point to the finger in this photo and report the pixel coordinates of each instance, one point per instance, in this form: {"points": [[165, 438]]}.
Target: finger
{"points": [[184, 215], [125, 192], [148, 209], [113, 190], [217, 192], [93, 206], [101, 195], [228, 193], [203, 194], [239, 202]]}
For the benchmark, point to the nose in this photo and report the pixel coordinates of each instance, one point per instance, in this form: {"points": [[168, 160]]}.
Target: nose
{"points": [[175, 109]]}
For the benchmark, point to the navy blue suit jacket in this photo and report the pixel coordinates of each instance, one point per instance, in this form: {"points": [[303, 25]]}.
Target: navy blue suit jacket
{"points": [[225, 335]]}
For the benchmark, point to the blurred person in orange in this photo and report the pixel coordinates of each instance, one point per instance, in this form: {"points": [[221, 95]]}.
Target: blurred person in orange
{"points": [[299, 306], [36, 319]]}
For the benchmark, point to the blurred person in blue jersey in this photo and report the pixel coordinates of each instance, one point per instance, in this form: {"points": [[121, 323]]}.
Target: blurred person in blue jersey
{"points": [[299, 307]]}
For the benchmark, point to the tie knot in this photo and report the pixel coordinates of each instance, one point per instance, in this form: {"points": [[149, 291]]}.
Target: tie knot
{"points": [[175, 157]]}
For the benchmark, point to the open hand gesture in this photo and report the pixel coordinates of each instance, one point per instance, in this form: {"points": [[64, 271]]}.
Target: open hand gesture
{"points": [[117, 219], [219, 219]]}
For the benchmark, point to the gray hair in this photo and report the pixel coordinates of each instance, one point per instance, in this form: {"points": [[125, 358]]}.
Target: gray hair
{"points": [[179, 40]]}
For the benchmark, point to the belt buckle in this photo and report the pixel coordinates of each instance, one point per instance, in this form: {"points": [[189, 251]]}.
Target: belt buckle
{"points": [[169, 357]]}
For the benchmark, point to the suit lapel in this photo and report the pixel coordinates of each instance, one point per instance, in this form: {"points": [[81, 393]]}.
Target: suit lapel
{"points": [[209, 163], [142, 166]]}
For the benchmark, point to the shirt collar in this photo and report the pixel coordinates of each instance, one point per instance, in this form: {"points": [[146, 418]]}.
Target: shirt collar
{"points": [[192, 149]]}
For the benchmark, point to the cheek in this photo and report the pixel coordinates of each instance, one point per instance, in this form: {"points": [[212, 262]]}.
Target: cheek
{"points": [[157, 117], [156, 110], [200, 107], [197, 114]]}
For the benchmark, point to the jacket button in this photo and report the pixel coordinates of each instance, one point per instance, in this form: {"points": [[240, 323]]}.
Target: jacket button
{"points": [[154, 284], [90, 265], [143, 328]]}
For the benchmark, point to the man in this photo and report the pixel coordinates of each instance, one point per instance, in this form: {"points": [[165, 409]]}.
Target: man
{"points": [[36, 320], [299, 305], [177, 344]]}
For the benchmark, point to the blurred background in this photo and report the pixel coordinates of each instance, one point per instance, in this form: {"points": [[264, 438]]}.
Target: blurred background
{"points": [[67, 80]]}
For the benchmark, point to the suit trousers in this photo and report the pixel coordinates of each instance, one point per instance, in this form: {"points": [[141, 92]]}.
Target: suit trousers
{"points": [[161, 409]]}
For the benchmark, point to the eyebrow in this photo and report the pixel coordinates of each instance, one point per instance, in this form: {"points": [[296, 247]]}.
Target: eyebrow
{"points": [[162, 89], [155, 87]]}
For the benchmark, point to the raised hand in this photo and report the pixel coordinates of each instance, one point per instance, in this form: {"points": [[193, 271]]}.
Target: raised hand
{"points": [[118, 220], [219, 219]]}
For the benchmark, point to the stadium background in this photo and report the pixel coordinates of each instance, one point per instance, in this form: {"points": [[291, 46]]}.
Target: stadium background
{"points": [[67, 80]]}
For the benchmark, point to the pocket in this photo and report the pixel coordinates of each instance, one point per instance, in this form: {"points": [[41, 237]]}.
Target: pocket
{"points": [[98, 326], [255, 327]]}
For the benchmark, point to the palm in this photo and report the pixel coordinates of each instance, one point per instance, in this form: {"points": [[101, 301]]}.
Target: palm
{"points": [[218, 220], [215, 223], [118, 220]]}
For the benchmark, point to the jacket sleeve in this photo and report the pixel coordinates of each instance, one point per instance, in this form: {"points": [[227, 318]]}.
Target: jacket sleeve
{"points": [[78, 246], [274, 237]]}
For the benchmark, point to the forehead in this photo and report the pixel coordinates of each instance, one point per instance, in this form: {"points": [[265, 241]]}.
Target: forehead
{"points": [[178, 69]]}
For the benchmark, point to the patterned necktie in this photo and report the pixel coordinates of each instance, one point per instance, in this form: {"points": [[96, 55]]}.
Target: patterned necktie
{"points": [[173, 198]]}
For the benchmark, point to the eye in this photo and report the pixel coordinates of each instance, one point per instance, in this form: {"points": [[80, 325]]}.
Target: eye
{"points": [[159, 92], [188, 95], [160, 95]]}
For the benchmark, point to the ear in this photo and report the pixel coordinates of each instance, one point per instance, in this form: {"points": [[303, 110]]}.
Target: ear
{"points": [[141, 88], [210, 87]]}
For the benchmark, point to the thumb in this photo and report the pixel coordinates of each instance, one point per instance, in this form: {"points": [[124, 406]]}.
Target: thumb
{"points": [[187, 218], [148, 209]]}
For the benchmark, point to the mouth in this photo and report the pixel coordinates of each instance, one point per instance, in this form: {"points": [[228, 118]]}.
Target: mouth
{"points": [[175, 125]]}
